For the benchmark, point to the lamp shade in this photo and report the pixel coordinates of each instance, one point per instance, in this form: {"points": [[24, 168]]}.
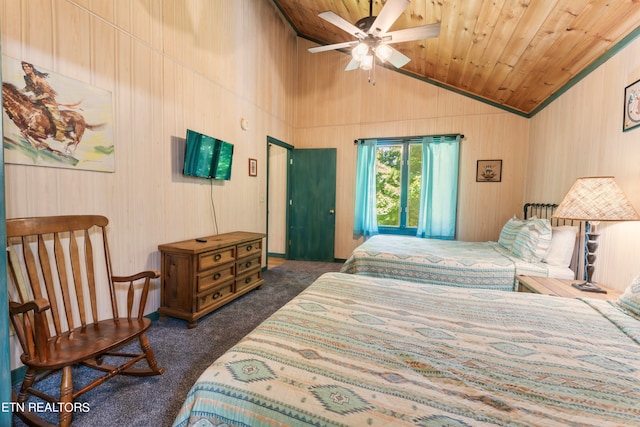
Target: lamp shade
{"points": [[383, 52], [367, 62], [360, 51], [596, 198]]}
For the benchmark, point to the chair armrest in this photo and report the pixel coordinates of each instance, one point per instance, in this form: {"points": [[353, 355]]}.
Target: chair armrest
{"points": [[144, 275], [33, 332], [151, 274], [38, 305]]}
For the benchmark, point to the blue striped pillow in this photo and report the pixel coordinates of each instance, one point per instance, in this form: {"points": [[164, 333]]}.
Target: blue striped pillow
{"points": [[533, 240], [509, 232], [630, 299]]}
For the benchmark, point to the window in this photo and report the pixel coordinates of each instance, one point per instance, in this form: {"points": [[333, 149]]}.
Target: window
{"points": [[398, 178], [407, 186]]}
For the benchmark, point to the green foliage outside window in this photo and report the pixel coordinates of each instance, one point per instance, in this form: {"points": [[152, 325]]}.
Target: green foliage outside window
{"points": [[398, 187], [388, 184], [415, 180]]}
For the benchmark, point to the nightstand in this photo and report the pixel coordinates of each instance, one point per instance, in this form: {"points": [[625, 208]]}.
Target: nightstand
{"points": [[561, 288]]}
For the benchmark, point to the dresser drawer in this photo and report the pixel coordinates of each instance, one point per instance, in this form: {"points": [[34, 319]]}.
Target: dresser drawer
{"points": [[210, 259], [215, 277], [247, 264], [249, 280], [250, 248], [217, 296]]}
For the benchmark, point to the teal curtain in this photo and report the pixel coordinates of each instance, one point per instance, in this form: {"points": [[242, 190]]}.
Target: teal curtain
{"points": [[439, 187], [365, 219]]}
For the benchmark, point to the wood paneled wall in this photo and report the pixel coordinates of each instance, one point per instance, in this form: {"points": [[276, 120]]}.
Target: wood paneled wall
{"points": [[580, 134], [334, 107], [171, 65]]}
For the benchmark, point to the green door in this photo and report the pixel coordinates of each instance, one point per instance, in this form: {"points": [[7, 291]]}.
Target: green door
{"points": [[312, 218]]}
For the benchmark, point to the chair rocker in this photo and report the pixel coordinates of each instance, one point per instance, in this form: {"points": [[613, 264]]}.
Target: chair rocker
{"points": [[64, 309]]}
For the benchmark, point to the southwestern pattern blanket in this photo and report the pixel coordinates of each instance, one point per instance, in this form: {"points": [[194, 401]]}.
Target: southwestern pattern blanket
{"points": [[360, 351]]}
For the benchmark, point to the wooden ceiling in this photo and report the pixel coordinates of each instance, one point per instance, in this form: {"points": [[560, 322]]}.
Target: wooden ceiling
{"points": [[516, 54]]}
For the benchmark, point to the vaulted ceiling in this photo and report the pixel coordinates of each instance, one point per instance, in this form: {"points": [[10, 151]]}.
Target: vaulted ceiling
{"points": [[515, 54]]}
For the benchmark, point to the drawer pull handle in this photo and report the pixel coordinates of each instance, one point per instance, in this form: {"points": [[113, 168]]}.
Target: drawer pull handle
{"points": [[248, 264], [216, 295], [247, 280], [217, 257], [249, 248], [216, 276]]}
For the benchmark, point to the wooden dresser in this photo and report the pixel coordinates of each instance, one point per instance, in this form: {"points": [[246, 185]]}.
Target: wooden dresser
{"points": [[198, 277]]}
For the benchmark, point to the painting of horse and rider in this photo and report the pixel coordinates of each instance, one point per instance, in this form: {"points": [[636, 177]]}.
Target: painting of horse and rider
{"points": [[53, 120]]}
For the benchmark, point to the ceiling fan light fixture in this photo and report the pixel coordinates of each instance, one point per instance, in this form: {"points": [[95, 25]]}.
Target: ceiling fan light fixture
{"points": [[383, 52], [367, 62], [360, 51], [372, 39]]}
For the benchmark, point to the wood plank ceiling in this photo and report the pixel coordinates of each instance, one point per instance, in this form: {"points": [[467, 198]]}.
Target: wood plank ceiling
{"points": [[515, 54]]}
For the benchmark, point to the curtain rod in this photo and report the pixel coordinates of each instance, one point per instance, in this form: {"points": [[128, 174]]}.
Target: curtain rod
{"points": [[361, 140]]}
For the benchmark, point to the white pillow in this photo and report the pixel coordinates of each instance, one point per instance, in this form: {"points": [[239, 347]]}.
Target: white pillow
{"points": [[563, 242], [533, 240]]}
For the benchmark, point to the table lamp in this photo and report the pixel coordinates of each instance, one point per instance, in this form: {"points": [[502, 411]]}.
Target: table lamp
{"points": [[594, 199]]}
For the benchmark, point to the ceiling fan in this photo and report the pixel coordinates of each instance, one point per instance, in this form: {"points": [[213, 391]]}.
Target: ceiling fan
{"points": [[372, 36]]}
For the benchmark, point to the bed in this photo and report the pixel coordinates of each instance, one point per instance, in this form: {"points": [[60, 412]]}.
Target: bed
{"points": [[359, 351], [531, 246]]}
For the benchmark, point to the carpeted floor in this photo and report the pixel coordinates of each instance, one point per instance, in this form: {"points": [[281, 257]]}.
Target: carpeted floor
{"points": [[185, 353]]}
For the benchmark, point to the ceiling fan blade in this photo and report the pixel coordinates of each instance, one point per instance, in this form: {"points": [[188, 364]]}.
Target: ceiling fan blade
{"points": [[411, 34], [397, 59], [342, 24], [332, 47], [387, 16], [352, 65]]}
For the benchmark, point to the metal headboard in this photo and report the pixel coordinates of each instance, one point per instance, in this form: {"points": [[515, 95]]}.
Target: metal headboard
{"points": [[540, 210]]}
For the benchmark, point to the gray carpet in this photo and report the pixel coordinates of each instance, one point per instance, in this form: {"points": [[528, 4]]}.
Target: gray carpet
{"points": [[185, 353]]}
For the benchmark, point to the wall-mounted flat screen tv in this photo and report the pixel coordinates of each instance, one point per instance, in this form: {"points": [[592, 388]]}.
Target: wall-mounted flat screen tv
{"points": [[207, 157]]}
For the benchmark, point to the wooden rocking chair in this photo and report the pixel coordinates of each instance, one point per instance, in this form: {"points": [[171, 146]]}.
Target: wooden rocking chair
{"points": [[58, 314]]}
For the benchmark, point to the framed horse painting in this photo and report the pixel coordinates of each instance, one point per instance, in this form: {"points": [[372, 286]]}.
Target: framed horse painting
{"points": [[55, 121]]}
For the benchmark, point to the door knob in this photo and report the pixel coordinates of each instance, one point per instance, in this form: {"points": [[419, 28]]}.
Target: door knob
{"points": [[331, 211]]}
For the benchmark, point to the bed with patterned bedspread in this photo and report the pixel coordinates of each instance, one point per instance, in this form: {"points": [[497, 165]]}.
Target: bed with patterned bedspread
{"points": [[353, 350], [444, 262]]}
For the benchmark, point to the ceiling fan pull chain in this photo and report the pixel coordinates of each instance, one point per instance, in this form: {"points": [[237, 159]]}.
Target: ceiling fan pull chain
{"points": [[372, 73]]}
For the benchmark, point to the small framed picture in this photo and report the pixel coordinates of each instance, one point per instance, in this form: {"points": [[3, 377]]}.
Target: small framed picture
{"points": [[631, 106], [253, 167], [489, 171]]}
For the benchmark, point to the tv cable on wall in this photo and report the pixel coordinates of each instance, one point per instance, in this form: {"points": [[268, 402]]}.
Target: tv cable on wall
{"points": [[213, 208]]}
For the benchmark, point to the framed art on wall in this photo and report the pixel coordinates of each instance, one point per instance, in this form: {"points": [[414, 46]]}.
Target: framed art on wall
{"points": [[631, 106], [253, 167], [489, 171], [52, 120]]}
